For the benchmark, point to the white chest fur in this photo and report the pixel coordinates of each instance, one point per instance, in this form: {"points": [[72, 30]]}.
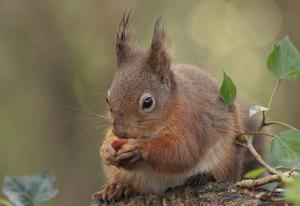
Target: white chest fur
{"points": [[145, 179]]}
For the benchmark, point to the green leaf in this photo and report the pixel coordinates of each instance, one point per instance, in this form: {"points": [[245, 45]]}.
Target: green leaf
{"points": [[284, 60], [286, 146], [228, 90], [256, 108], [255, 173], [292, 191], [29, 190], [284, 168]]}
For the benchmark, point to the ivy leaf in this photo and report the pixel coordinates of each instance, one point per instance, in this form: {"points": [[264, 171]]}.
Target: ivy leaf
{"points": [[286, 146], [292, 191], [255, 173], [228, 90], [29, 190], [256, 108], [284, 60]]}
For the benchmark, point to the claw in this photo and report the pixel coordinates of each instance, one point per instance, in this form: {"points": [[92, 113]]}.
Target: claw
{"points": [[198, 180], [134, 159], [133, 154], [113, 193], [129, 153]]}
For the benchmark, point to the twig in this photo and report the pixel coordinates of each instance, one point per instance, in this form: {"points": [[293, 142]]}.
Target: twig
{"points": [[249, 183], [258, 158], [263, 121], [278, 199], [253, 133], [253, 151], [240, 143], [280, 123], [275, 176], [273, 94]]}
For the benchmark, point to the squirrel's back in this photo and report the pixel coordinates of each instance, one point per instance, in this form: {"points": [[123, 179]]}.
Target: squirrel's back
{"points": [[199, 92]]}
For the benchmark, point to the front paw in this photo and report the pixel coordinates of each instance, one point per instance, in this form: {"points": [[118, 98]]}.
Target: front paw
{"points": [[107, 152], [130, 153]]}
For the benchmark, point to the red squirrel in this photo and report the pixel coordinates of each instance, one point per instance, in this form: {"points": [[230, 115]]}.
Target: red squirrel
{"points": [[175, 124]]}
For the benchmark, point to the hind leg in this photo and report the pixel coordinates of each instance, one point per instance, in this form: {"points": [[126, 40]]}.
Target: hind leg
{"points": [[198, 180], [118, 186]]}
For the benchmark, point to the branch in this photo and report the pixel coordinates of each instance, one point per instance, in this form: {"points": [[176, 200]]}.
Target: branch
{"points": [[253, 133], [275, 176], [282, 124], [258, 158], [273, 94], [250, 183]]}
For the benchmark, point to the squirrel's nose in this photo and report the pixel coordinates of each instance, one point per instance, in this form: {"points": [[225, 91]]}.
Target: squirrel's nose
{"points": [[119, 132]]}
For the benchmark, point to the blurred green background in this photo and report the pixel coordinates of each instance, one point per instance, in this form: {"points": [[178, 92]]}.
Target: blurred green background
{"points": [[57, 61]]}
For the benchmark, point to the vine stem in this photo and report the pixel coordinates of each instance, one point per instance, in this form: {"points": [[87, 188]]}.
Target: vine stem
{"points": [[275, 176], [254, 133], [282, 124], [258, 158], [5, 202], [273, 93]]}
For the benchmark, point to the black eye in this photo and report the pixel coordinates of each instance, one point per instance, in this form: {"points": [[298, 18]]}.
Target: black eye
{"points": [[147, 103], [107, 100]]}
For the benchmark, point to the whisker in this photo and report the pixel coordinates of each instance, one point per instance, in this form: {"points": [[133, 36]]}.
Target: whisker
{"points": [[94, 130], [79, 119], [100, 176], [89, 128], [83, 109], [80, 110], [71, 108], [91, 80], [143, 124], [100, 94], [103, 116]]}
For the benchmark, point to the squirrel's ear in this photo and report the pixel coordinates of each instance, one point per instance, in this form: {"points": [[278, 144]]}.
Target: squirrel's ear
{"points": [[159, 58], [123, 49]]}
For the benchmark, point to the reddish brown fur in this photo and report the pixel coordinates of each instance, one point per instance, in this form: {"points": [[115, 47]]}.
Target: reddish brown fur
{"points": [[190, 130]]}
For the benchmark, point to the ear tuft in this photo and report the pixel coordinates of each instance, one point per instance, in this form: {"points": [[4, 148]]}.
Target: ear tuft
{"points": [[159, 58], [122, 40]]}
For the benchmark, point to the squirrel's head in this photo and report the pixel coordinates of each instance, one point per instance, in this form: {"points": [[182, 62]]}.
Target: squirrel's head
{"points": [[141, 91]]}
